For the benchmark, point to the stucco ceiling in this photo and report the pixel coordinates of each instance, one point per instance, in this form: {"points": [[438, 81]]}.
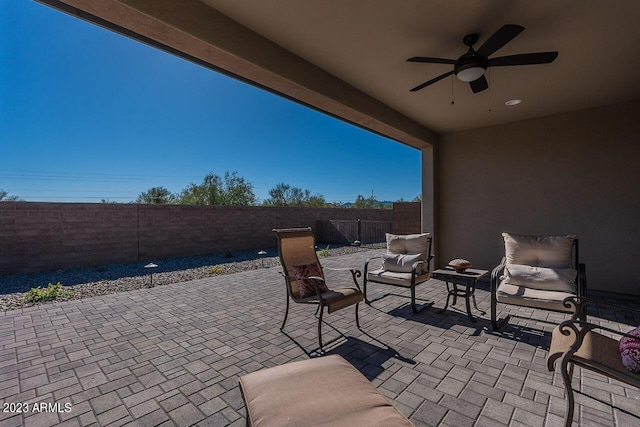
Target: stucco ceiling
{"points": [[366, 44]]}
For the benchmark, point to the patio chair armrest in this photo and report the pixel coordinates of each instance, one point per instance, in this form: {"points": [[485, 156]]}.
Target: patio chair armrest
{"points": [[566, 328], [355, 273], [315, 279], [429, 258], [496, 273], [340, 268], [416, 265], [366, 263]]}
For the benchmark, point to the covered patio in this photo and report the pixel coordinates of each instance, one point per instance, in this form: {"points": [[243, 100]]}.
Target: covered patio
{"points": [[565, 161], [172, 355]]}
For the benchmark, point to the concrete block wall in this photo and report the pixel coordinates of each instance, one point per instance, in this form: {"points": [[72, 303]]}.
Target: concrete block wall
{"points": [[38, 236], [47, 236], [406, 218]]}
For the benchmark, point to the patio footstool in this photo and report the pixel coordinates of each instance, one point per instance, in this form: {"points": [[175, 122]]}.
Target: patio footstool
{"points": [[325, 391]]}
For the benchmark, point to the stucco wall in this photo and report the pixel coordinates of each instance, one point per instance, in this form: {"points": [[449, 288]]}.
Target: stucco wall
{"points": [[576, 172], [47, 236]]}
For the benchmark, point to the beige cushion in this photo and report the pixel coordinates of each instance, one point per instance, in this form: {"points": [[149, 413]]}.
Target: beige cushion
{"points": [[401, 263], [547, 279], [409, 244], [395, 278], [535, 298], [539, 251], [325, 391]]}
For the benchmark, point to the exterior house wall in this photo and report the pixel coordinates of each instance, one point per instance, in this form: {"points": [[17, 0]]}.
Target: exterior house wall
{"points": [[46, 236], [568, 173]]}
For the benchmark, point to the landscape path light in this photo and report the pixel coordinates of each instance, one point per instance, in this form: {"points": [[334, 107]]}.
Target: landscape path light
{"points": [[262, 254], [150, 268]]}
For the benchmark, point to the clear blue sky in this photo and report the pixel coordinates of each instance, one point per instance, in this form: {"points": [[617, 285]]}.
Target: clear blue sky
{"points": [[87, 114]]}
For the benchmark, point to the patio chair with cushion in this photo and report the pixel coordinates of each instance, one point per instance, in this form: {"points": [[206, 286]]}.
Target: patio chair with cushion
{"points": [[537, 272], [576, 342], [304, 276], [406, 263]]}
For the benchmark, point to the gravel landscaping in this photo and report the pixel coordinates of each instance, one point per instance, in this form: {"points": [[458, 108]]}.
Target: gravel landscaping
{"points": [[107, 279]]}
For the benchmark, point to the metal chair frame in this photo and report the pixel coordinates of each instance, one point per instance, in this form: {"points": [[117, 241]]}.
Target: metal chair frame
{"points": [[580, 283], [415, 272], [318, 299]]}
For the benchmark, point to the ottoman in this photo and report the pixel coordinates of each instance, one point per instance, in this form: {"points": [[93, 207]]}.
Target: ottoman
{"points": [[325, 391]]}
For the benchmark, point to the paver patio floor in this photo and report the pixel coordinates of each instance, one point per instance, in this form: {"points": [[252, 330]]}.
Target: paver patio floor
{"points": [[172, 355]]}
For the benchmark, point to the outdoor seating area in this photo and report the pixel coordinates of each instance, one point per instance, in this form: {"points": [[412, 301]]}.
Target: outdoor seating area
{"points": [[175, 354], [411, 140]]}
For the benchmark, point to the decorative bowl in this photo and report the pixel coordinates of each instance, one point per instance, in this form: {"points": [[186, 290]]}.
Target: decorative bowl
{"points": [[459, 265]]}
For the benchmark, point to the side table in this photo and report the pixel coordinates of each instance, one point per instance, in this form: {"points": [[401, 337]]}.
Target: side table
{"points": [[468, 278]]}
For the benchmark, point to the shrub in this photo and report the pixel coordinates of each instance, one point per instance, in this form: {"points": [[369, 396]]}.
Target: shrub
{"points": [[49, 293], [324, 252], [216, 270]]}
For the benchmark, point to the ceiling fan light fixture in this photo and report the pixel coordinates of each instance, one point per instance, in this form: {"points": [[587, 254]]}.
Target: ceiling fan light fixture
{"points": [[470, 74]]}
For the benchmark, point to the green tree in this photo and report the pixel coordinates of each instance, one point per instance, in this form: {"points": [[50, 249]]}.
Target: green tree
{"points": [[233, 190], [367, 203], [237, 190], [285, 195], [156, 195], [5, 197], [418, 198]]}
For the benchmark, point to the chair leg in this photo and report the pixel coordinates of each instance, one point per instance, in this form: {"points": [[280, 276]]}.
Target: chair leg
{"points": [[320, 327], [413, 299], [418, 308], [364, 289], [567, 373], [286, 313], [495, 324], [357, 317]]}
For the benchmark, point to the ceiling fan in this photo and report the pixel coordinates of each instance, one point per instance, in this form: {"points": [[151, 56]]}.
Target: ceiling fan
{"points": [[471, 66]]}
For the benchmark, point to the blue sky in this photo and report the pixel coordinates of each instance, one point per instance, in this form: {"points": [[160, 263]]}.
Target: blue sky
{"points": [[86, 114]]}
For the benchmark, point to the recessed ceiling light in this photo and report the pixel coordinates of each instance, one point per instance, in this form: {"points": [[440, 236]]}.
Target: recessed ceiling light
{"points": [[513, 102]]}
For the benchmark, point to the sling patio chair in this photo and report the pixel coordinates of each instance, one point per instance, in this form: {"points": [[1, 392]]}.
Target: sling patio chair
{"points": [[304, 276], [538, 272]]}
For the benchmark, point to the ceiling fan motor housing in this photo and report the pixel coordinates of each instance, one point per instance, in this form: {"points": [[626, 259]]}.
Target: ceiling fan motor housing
{"points": [[470, 67]]}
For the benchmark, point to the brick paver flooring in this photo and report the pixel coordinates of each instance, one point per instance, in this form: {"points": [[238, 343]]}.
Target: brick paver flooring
{"points": [[172, 355]]}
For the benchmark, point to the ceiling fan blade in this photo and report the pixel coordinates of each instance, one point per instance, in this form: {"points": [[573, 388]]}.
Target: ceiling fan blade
{"points": [[431, 60], [425, 84], [524, 59], [479, 85], [501, 37]]}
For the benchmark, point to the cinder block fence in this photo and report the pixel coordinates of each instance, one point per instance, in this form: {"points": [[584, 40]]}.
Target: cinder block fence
{"points": [[37, 236]]}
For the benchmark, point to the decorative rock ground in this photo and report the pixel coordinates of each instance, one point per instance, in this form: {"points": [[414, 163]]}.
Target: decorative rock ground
{"points": [[93, 281]]}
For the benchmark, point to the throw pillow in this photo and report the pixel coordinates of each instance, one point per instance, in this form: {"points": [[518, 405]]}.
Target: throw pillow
{"points": [[409, 244], [303, 273], [399, 263], [630, 350], [547, 279]]}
